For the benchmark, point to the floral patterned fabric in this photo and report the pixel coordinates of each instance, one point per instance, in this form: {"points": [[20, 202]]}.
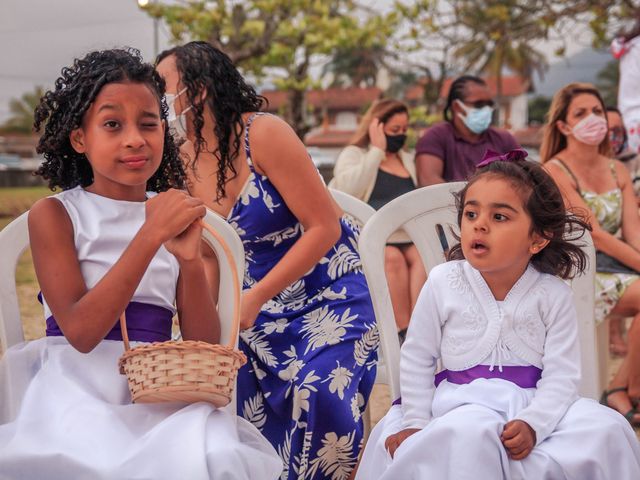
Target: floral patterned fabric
{"points": [[312, 351], [607, 210]]}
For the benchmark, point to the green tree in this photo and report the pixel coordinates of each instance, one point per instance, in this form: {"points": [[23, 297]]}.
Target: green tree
{"points": [[281, 38], [607, 82], [356, 65], [21, 111], [538, 108], [502, 35]]}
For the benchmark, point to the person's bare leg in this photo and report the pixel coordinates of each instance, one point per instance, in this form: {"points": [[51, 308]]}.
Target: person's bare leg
{"points": [[617, 344], [397, 272], [417, 273], [633, 358], [627, 306]]}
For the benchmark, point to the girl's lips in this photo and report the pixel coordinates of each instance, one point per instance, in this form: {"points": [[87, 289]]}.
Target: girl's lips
{"points": [[134, 162], [478, 247]]}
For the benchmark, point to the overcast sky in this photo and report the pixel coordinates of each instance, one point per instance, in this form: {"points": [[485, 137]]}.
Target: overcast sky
{"points": [[39, 37]]}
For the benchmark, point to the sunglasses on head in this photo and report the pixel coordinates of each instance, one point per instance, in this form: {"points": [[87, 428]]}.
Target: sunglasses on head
{"points": [[480, 103]]}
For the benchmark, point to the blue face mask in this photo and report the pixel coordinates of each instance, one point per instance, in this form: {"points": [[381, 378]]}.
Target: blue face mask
{"points": [[476, 119]]}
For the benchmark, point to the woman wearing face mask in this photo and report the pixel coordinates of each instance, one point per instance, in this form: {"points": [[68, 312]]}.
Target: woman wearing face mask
{"points": [[308, 327], [376, 169], [449, 151], [575, 149]]}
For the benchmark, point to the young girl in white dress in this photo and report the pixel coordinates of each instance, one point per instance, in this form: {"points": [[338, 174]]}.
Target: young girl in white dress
{"points": [[100, 247], [504, 327]]}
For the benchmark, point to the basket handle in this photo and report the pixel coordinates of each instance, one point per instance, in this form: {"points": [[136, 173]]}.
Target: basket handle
{"points": [[236, 292]]}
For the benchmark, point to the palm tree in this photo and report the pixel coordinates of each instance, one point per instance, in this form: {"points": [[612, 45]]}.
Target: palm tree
{"points": [[21, 119], [356, 65], [501, 35]]}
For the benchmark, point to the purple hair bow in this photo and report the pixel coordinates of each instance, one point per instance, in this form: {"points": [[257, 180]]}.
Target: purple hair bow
{"points": [[512, 156]]}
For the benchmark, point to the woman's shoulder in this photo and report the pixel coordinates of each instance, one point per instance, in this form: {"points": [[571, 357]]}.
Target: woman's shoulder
{"points": [[263, 124]]}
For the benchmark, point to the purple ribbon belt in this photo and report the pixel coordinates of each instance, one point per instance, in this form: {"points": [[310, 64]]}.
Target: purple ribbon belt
{"points": [[525, 376], [145, 323]]}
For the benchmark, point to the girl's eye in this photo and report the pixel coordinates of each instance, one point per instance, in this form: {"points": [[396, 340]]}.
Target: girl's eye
{"points": [[470, 214], [150, 124], [500, 217], [111, 124]]}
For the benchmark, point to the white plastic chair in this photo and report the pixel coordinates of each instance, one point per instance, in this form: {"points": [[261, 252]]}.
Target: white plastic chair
{"points": [[426, 214], [352, 206], [14, 239]]}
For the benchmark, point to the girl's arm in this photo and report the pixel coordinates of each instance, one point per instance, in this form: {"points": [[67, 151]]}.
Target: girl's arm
{"points": [[280, 155], [630, 217], [418, 358], [86, 316], [355, 170], [419, 354], [603, 240], [558, 387]]}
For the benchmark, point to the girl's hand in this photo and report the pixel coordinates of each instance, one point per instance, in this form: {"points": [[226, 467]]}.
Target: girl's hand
{"points": [[518, 438], [376, 134], [186, 246], [169, 213], [249, 308], [394, 441]]}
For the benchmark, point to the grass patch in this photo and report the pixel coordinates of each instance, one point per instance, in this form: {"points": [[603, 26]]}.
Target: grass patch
{"points": [[17, 200]]}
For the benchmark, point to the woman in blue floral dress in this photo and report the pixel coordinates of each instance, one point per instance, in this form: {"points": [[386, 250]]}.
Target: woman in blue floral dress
{"points": [[308, 327]]}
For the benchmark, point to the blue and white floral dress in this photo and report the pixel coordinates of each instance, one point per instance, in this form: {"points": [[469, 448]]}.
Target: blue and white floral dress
{"points": [[312, 350]]}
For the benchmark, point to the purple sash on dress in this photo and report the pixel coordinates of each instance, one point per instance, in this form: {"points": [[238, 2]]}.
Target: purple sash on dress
{"points": [[525, 376], [145, 323]]}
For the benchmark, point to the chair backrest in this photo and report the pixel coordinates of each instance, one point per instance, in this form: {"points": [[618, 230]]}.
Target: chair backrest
{"points": [[352, 206], [225, 292], [428, 215], [14, 239]]}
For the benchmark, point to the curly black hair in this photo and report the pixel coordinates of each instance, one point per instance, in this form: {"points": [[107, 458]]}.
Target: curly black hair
{"points": [[549, 217], [62, 109], [203, 67]]}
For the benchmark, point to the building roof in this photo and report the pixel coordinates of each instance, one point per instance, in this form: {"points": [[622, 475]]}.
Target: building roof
{"points": [[351, 98], [512, 86], [328, 138]]}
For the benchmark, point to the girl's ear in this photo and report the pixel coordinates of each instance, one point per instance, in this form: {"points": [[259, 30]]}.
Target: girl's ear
{"points": [[537, 243], [76, 137]]}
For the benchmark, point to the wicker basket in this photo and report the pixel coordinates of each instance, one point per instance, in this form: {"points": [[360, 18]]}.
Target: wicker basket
{"points": [[188, 371]]}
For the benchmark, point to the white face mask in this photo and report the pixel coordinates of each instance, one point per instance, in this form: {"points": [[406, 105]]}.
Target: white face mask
{"points": [[177, 123]]}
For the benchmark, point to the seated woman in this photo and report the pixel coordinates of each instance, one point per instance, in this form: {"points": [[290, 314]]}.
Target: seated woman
{"points": [[308, 327], [375, 169], [575, 150]]}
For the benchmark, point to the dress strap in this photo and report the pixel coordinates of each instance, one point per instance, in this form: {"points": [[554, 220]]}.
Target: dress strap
{"points": [[568, 171], [247, 147]]}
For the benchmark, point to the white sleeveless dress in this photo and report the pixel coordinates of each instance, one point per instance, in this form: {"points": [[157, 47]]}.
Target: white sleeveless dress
{"points": [[68, 415]]}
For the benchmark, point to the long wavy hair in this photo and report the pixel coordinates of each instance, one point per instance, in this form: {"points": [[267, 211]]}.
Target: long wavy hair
{"points": [[62, 110], [549, 218], [553, 140], [383, 110], [204, 68]]}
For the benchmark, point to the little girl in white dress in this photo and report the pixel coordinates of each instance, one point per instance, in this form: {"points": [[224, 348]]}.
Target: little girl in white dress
{"points": [[504, 327]]}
